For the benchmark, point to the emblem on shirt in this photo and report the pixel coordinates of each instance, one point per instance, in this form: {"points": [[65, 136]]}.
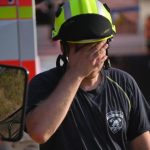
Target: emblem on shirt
{"points": [[115, 120]]}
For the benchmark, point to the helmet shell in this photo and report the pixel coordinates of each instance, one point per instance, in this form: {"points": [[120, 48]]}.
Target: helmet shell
{"points": [[83, 21]]}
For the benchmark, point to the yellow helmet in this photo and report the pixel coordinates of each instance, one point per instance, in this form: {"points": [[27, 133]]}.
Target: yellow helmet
{"points": [[83, 21]]}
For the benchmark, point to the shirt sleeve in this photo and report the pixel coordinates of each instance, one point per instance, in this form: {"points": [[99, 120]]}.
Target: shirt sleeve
{"points": [[40, 87], [139, 121], [36, 93]]}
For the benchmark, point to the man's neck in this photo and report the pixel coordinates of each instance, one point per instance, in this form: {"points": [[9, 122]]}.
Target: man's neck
{"points": [[91, 82]]}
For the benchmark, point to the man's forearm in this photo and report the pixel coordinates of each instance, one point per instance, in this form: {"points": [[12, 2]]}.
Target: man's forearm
{"points": [[43, 121], [142, 142]]}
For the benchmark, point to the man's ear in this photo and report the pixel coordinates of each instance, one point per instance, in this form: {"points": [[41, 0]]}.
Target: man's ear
{"points": [[61, 47], [64, 48]]}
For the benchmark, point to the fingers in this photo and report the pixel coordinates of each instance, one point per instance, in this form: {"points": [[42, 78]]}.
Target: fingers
{"points": [[99, 50], [100, 61], [90, 47], [81, 49], [100, 45], [98, 56], [85, 58], [91, 52]]}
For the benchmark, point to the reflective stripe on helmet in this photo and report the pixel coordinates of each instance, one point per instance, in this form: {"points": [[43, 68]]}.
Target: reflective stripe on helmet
{"points": [[83, 7], [91, 40], [78, 7], [67, 10], [100, 8], [104, 12], [108, 16]]}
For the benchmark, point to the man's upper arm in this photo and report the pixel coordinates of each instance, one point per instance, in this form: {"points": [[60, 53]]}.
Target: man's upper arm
{"points": [[142, 142]]}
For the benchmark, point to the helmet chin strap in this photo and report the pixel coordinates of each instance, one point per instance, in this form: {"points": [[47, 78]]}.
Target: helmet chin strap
{"points": [[107, 63], [63, 57]]}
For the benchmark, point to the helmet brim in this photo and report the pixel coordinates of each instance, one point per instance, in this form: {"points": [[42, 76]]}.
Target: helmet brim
{"points": [[85, 28]]}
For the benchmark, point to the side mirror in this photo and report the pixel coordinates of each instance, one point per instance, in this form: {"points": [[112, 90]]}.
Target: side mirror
{"points": [[13, 85]]}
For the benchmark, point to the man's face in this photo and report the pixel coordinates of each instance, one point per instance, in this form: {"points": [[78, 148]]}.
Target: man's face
{"points": [[91, 54]]}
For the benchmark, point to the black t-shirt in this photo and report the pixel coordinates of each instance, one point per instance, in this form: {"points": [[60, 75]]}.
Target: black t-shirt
{"points": [[106, 118]]}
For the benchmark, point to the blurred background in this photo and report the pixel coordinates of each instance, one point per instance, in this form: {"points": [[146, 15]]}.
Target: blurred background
{"points": [[129, 49], [25, 40]]}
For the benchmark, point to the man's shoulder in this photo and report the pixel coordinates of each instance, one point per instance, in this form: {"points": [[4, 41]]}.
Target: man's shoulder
{"points": [[51, 75], [119, 75], [116, 72]]}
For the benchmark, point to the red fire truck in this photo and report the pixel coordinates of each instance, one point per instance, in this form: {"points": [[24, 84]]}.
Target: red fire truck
{"points": [[17, 34]]}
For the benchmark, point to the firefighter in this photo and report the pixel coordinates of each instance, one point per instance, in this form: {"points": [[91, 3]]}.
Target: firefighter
{"points": [[84, 103]]}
